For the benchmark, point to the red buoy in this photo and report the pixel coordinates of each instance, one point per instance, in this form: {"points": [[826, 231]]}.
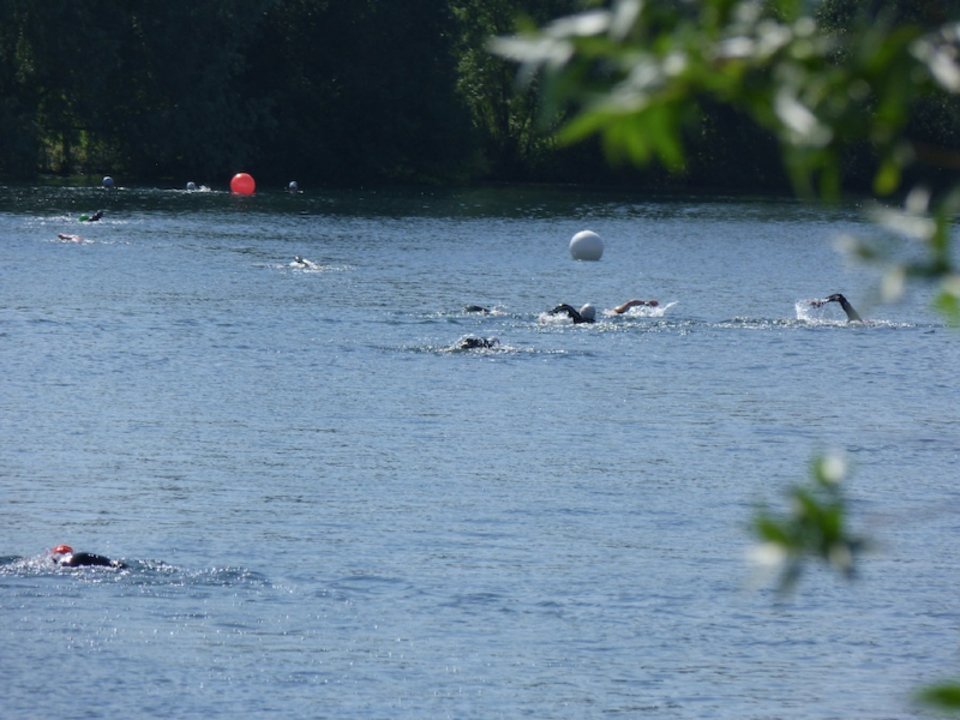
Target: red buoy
{"points": [[243, 184]]}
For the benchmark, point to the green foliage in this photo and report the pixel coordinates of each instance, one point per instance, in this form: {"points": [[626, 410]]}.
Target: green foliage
{"points": [[639, 75], [333, 91], [815, 527], [944, 697], [356, 91], [18, 135], [503, 118], [328, 89], [364, 91]]}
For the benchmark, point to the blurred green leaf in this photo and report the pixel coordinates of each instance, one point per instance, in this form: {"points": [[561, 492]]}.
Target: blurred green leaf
{"points": [[949, 306], [814, 528], [944, 697]]}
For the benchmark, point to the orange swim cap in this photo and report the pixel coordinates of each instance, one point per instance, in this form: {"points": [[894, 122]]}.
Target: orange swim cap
{"points": [[62, 550]]}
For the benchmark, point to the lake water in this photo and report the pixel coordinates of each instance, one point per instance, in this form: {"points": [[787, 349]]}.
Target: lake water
{"points": [[328, 513]]}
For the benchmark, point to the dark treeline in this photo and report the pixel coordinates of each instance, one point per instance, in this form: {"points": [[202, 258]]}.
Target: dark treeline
{"points": [[326, 91]]}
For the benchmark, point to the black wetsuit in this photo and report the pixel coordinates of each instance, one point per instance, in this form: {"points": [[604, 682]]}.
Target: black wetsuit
{"points": [[83, 559], [852, 315], [571, 312]]}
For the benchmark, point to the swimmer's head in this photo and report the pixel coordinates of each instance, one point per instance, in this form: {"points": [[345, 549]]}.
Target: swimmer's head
{"points": [[62, 550], [588, 312]]}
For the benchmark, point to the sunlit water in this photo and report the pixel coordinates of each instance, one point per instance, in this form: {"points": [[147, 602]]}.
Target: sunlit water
{"points": [[330, 512]]}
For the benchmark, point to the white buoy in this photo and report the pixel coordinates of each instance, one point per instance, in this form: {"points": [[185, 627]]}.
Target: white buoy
{"points": [[586, 245]]}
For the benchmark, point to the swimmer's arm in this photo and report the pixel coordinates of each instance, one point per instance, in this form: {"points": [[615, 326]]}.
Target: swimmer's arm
{"points": [[567, 310], [852, 315], [620, 309]]}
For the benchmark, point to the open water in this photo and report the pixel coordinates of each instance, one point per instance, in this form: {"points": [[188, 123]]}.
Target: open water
{"points": [[327, 512]]}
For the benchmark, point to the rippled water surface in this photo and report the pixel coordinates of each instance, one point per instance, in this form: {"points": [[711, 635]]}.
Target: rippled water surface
{"points": [[328, 511]]}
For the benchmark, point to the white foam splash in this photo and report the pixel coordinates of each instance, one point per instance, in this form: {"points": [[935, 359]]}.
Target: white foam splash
{"points": [[642, 311]]}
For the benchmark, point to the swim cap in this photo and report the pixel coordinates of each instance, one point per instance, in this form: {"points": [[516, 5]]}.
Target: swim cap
{"points": [[588, 312], [63, 550]]}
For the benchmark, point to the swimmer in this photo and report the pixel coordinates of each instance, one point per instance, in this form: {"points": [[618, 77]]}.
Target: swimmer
{"points": [[621, 309], [92, 218], [852, 315], [64, 556], [476, 309], [472, 342], [586, 314], [70, 238], [304, 263]]}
